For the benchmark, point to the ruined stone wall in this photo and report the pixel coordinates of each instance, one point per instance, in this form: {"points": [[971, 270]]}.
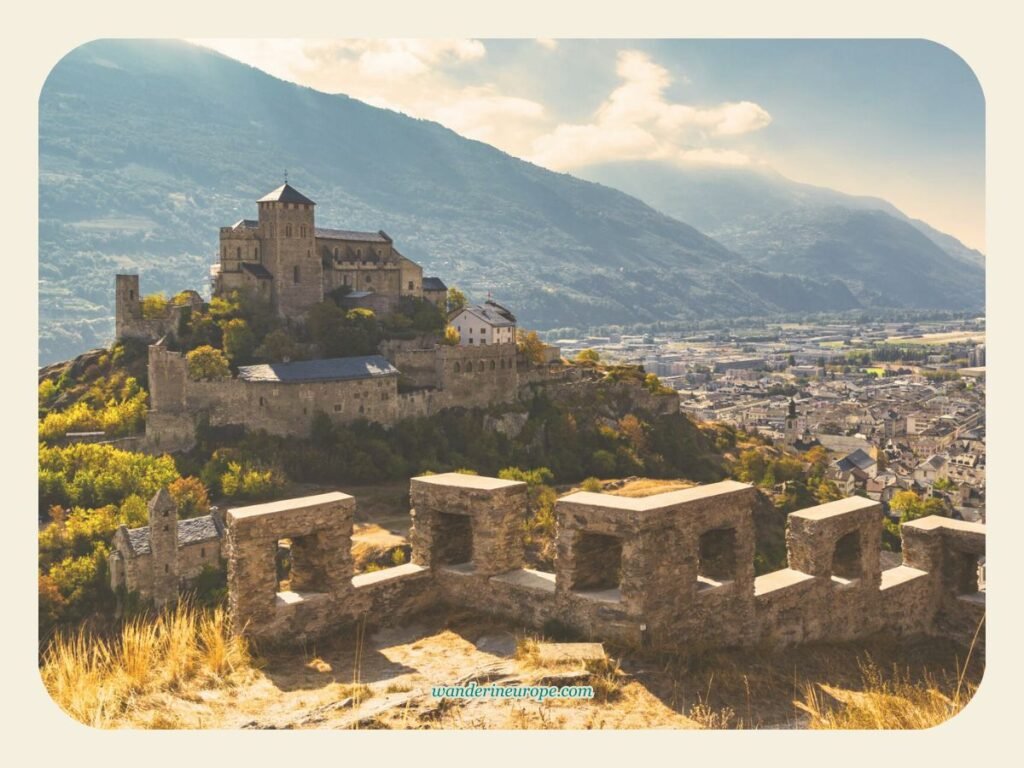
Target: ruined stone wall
{"points": [[325, 595], [949, 551], [279, 408], [128, 320], [670, 570]]}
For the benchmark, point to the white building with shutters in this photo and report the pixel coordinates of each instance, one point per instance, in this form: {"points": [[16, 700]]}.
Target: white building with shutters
{"points": [[487, 323]]}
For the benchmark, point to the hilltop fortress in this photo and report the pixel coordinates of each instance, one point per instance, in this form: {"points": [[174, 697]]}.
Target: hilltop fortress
{"points": [[286, 259], [292, 264]]}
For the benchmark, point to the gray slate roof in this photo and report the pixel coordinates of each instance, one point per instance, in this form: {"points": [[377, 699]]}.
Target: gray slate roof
{"points": [[493, 314], [858, 459], [192, 531], [286, 193], [246, 224], [331, 369], [351, 234], [434, 284]]}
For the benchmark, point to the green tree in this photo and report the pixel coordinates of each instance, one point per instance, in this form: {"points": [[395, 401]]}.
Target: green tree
{"points": [[750, 467], [603, 463], [278, 347], [588, 356], [239, 341]]}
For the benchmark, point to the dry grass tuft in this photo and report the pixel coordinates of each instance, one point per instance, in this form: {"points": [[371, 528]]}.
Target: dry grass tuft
{"points": [[649, 486], [707, 717], [884, 703], [95, 679], [606, 678], [319, 665], [528, 651]]}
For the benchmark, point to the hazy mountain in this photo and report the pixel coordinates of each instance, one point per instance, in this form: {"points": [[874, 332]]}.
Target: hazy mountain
{"points": [[885, 257], [146, 148]]}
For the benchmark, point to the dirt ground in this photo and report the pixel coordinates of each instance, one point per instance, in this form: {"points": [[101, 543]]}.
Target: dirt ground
{"points": [[384, 679]]}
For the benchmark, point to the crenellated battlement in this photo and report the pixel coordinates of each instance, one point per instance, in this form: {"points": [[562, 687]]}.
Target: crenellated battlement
{"points": [[666, 571]]}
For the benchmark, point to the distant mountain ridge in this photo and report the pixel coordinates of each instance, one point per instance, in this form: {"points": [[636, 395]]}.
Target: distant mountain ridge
{"points": [[147, 147], [883, 255]]}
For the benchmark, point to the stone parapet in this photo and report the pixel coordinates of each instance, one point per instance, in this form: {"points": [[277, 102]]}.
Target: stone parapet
{"points": [[670, 570]]}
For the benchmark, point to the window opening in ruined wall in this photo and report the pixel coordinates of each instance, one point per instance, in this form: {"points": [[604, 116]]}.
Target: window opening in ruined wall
{"points": [[969, 573], [453, 539], [846, 557], [716, 557], [298, 566], [598, 562]]}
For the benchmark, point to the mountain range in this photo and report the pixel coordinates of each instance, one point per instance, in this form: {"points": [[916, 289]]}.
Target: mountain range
{"points": [[885, 257], [147, 147]]}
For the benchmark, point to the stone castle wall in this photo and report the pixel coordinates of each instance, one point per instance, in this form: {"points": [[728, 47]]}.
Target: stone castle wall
{"points": [[464, 377], [665, 571], [178, 402]]}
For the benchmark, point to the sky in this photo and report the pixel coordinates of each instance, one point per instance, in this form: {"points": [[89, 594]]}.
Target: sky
{"points": [[898, 119]]}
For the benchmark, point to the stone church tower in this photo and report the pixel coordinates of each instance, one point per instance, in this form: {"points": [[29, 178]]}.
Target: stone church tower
{"points": [[289, 243], [163, 540], [792, 424]]}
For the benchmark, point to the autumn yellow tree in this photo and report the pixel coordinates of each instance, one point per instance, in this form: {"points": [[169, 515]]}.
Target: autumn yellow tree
{"points": [[451, 336], [531, 346], [207, 363]]}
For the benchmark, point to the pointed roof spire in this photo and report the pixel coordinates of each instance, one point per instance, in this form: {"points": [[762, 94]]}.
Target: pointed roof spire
{"points": [[162, 500], [286, 193]]}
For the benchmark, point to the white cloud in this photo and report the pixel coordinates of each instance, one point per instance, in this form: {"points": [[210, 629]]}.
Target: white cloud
{"points": [[427, 79], [635, 122]]}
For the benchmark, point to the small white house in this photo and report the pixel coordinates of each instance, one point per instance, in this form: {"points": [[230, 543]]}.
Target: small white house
{"points": [[487, 323]]}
